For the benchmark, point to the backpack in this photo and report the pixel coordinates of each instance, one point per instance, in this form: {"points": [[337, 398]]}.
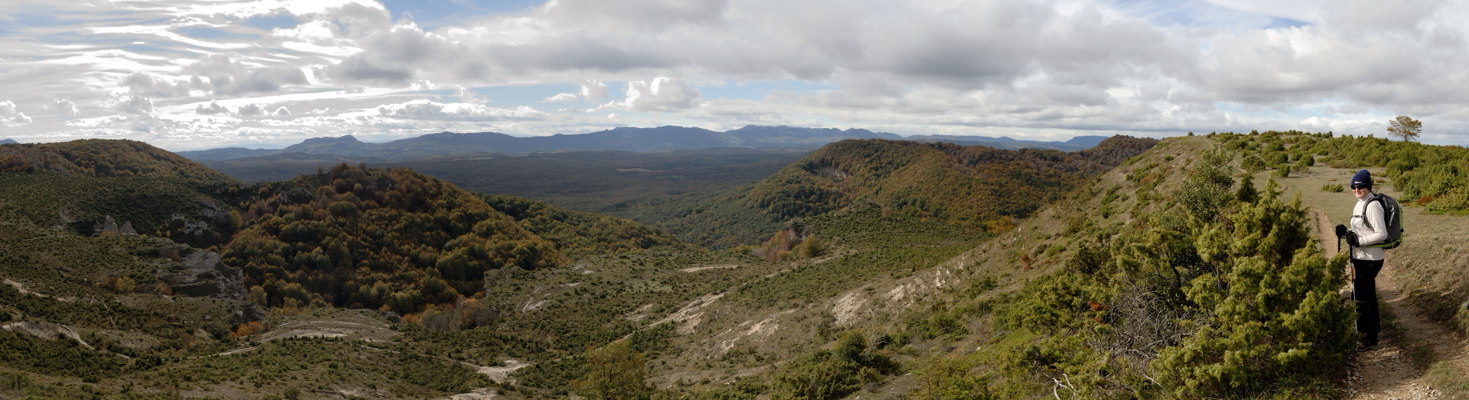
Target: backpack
{"points": [[1392, 213]]}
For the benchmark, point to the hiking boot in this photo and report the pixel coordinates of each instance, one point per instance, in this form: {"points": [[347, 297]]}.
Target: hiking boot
{"points": [[1368, 344]]}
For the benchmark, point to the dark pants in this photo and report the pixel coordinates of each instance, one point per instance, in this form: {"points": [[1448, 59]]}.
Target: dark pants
{"points": [[1364, 289]]}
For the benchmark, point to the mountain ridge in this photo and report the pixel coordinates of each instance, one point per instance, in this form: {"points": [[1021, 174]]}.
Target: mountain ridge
{"points": [[656, 139]]}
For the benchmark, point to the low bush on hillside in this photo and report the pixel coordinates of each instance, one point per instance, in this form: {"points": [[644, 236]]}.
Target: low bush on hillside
{"points": [[1222, 295], [1435, 177], [835, 373]]}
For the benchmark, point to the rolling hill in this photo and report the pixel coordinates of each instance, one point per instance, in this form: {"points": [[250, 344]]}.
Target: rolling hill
{"points": [[103, 285], [975, 187], [1173, 268]]}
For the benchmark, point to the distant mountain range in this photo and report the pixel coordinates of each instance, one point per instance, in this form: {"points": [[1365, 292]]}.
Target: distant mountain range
{"points": [[4, 141], [664, 138]]}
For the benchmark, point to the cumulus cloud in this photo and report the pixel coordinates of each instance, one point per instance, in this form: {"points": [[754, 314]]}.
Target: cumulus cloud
{"points": [[144, 84], [11, 116], [228, 76], [1388, 55], [660, 94], [395, 56], [594, 90], [430, 110], [212, 109], [251, 110], [1040, 67], [590, 90], [134, 105], [66, 107]]}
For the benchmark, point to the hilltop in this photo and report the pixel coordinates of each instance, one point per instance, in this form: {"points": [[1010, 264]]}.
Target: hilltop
{"points": [[976, 187], [106, 158]]}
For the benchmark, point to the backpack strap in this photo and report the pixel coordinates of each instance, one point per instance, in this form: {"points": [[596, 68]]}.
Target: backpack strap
{"points": [[1377, 198]]}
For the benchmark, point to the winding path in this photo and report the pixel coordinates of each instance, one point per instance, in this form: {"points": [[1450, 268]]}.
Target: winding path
{"points": [[1389, 372]]}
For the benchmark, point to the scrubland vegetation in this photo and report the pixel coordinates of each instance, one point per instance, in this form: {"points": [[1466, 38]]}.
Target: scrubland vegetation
{"points": [[1138, 269]]}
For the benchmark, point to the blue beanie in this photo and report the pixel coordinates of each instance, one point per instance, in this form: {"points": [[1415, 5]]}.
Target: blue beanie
{"points": [[1362, 178]]}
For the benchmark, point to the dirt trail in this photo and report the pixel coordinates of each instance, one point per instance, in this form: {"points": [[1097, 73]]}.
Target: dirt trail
{"points": [[1389, 371]]}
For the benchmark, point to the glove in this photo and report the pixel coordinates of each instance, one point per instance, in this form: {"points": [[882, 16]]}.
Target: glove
{"points": [[1352, 239], [1341, 231]]}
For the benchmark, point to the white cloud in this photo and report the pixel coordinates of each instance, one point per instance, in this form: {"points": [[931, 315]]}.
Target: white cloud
{"points": [[251, 111], [134, 105], [227, 76], [591, 90], [1034, 67], [212, 109], [144, 84], [594, 90], [660, 94], [430, 110], [66, 107], [563, 97], [11, 116]]}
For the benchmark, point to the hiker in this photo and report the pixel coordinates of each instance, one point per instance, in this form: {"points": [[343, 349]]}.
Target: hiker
{"points": [[1369, 227]]}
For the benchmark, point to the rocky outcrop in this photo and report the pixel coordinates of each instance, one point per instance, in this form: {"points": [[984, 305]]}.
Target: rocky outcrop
{"points": [[46, 330], [210, 225], [108, 227], [202, 275]]}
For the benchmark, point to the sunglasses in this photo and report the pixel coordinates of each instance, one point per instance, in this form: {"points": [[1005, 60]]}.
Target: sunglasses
{"points": [[1356, 187]]}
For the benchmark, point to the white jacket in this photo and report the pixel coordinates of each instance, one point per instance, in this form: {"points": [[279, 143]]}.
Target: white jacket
{"points": [[1368, 212]]}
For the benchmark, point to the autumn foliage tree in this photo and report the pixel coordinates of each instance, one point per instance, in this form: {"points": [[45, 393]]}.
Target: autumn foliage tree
{"points": [[614, 372], [1405, 127]]}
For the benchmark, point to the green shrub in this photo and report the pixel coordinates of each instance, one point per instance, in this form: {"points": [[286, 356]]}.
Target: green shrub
{"points": [[1271, 312], [835, 373]]}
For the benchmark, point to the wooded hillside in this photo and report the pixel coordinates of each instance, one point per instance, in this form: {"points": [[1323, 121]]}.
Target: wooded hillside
{"points": [[372, 238], [976, 187], [106, 158]]}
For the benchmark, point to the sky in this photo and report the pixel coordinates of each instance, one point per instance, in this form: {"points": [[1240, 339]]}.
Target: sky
{"points": [[187, 75]]}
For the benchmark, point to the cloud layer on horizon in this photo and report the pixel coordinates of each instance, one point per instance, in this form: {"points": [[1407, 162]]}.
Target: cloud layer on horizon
{"points": [[270, 72]]}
